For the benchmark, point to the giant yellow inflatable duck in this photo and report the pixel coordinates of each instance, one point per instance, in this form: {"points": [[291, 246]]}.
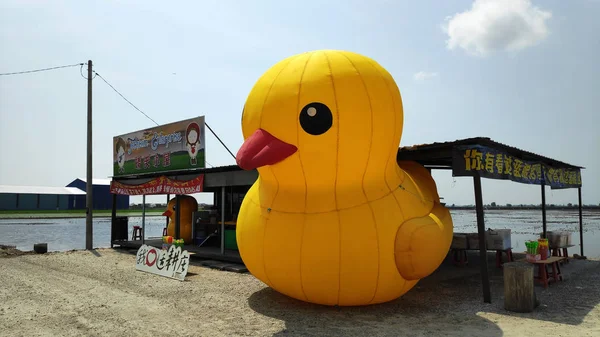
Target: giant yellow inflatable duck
{"points": [[333, 219], [188, 205]]}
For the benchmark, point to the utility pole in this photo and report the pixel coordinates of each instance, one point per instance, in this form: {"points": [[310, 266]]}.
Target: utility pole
{"points": [[88, 199]]}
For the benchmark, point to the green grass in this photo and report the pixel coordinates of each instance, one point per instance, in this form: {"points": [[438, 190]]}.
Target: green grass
{"points": [[42, 214], [78, 211], [179, 161]]}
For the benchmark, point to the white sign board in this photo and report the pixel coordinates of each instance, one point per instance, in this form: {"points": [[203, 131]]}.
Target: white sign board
{"points": [[171, 263]]}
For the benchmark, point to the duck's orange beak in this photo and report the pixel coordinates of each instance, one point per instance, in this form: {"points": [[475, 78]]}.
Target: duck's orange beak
{"points": [[168, 213], [262, 148]]}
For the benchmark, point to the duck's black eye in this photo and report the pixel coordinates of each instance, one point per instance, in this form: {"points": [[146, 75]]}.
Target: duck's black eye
{"points": [[316, 118]]}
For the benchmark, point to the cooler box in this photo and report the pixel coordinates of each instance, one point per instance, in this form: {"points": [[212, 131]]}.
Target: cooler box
{"points": [[498, 239], [460, 241], [473, 239], [230, 238], [558, 239]]}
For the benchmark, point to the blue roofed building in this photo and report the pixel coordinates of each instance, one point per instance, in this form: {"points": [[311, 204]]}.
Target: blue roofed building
{"points": [[38, 197], [102, 198], [71, 197]]}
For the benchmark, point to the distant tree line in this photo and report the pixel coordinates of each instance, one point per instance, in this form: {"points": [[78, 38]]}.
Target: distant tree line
{"points": [[493, 205]]}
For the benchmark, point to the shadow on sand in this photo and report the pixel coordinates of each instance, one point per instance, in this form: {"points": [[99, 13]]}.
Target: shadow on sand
{"points": [[448, 303]]}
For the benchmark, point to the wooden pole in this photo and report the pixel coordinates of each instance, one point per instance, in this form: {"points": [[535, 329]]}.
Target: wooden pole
{"points": [[580, 222], [222, 220], [143, 219], [88, 199], [168, 198], [543, 209], [113, 219], [519, 292], [485, 278], [177, 216]]}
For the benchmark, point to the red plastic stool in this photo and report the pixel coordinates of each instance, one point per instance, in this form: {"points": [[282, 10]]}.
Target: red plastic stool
{"points": [[460, 257], [137, 233], [509, 256]]}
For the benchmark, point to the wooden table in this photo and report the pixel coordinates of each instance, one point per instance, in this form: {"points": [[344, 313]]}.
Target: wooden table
{"points": [[561, 251], [543, 274], [459, 256]]}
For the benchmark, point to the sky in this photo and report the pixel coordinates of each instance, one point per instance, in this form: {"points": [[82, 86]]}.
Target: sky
{"points": [[523, 73]]}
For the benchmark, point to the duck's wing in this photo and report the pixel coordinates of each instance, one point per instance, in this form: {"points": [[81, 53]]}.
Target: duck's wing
{"points": [[422, 242]]}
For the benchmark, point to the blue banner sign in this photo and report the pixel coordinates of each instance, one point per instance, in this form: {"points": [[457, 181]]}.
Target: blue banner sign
{"points": [[494, 164]]}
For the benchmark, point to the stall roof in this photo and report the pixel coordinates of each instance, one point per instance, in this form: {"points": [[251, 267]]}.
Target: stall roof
{"points": [[437, 154], [218, 169], [11, 189], [440, 154]]}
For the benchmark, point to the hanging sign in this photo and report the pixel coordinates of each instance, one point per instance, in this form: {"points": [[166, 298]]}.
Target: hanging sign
{"points": [[160, 185], [172, 263], [494, 164], [170, 147]]}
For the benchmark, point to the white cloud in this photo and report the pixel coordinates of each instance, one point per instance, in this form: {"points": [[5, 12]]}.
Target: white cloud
{"points": [[497, 25], [423, 75]]}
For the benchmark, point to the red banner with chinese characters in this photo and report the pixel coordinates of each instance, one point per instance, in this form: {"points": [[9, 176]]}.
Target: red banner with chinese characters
{"points": [[160, 185]]}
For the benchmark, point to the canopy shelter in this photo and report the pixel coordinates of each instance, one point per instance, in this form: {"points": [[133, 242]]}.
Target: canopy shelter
{"points": [[227, 183], [484, 158]]}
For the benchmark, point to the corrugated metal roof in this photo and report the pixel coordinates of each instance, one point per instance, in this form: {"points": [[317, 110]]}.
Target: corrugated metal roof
{"points": [[97, 181], [40, 190], [426, 151], [217, 169], [437, 153]]}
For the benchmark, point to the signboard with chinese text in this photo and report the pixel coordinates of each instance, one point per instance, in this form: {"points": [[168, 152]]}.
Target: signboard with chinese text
{"points": [[495, 164], [160, 185], [172, 263], [169, 147]]}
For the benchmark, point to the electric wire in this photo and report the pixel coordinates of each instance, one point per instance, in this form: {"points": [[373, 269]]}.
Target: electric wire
{"points": [[81, 64], [150, 118], [39, 70], [126, 100]]}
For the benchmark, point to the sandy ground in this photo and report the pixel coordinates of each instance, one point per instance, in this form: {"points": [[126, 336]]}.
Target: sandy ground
{"points": [[99, 293]]}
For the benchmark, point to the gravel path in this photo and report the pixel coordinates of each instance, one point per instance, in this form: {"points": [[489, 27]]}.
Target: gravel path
{"points": [[101, 294]]}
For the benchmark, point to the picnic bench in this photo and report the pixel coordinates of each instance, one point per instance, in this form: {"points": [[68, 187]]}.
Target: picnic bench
{"points": [[543, 274], [459, 256], [561, 251]]}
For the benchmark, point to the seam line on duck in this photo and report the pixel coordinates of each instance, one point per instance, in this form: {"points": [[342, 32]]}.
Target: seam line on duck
{"points": [[365, 173], [337, 162], [298, 127], [403, 177], [387, 85], [400, 187], [273, 173]]}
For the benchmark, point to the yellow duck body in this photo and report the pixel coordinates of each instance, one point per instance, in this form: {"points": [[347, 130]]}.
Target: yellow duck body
{"points": [[333, 219], [188, 205]]}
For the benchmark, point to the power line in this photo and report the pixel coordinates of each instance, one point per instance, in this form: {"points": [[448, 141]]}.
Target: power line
{"points": [[38, 70], [105, 81], [219, 139], [113, 88]]}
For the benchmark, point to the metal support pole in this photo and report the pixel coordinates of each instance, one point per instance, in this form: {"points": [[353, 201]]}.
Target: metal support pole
{"points": [[168, 198], [222, 220], [580, 222], [89, 202], [177, 216], [143, 219], [114, 219], [485, 278], [543, 210]]}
